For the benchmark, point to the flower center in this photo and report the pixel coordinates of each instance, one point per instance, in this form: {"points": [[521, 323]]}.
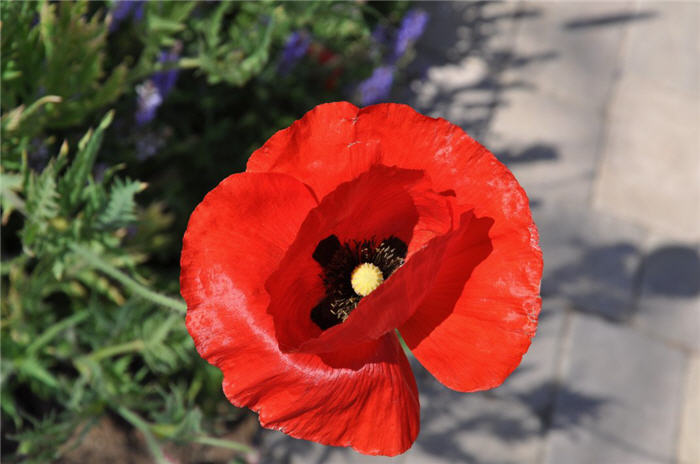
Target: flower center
{"points": [[366, 278], [352, 271]]}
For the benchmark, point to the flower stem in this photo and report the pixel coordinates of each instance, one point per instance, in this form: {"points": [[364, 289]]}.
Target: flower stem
{"points": [[135, 420], [106, 352], [145, 428], [132, 285]]}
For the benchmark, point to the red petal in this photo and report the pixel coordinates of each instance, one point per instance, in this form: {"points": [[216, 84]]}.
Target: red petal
{"points": [[371, 406], [321, 147], [498, 303], [365, 397], [380, 203], [478, 319]]}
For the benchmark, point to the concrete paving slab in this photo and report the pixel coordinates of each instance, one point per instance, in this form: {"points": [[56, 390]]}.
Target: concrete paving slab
{"points": [[282, 449], [584, 40], [665, 48], [591, 260], [650, 162], [464, 50], [479, 429], [628, 388], [483, 427], [534, 381], [551, 146]]}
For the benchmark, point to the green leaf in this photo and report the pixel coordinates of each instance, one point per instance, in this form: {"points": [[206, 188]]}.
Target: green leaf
{"points": [[121, 207], [54, 330], [76, 177], [42, 197], [32, 368]]}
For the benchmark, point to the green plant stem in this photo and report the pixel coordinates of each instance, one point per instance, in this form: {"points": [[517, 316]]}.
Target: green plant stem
{"points": [[54, 330], [106, 352], [132, 285], [135, 420]]}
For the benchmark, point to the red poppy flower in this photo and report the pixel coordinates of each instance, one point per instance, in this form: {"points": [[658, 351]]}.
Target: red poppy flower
{"points": [[346, 226]]}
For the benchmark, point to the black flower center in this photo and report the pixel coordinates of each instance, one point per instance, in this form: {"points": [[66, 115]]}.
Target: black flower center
{"points": [[339, 261]]}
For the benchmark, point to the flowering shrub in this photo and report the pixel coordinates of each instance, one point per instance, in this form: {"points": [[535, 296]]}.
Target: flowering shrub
{"points": [[116, 118]]}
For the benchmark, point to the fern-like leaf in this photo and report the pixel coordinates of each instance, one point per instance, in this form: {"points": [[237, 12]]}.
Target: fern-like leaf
{"points": [[121, 207]]}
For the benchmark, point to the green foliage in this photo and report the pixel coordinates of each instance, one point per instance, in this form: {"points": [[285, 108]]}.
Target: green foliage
{"points": [[57, 63], [105, 351], [90, 253]]}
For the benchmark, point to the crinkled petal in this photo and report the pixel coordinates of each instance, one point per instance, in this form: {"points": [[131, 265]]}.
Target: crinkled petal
{"points": [[478, 319], [365, 397], [321, 147]]}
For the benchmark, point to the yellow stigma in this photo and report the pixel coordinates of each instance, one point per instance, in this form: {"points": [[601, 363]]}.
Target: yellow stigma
{"points": [[366, 278]]}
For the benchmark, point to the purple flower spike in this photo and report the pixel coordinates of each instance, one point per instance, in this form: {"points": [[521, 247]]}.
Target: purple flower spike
{"points": [[165, 80], [412, 27], [377, 87], [123, 9], [152, 92], [380, 34], [294, 49]]}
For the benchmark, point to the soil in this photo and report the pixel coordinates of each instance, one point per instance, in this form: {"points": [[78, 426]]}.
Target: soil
{"points": [[110, 442]]}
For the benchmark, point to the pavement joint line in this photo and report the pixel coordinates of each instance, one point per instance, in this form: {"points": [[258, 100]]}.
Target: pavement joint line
{"points": [[668, 342], [629, 323], [561, 365], [689, 402], [606, 110]]}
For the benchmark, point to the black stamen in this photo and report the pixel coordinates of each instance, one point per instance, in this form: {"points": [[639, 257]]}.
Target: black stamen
{"points": [[325, 250], [322, 315], [338, 262]]}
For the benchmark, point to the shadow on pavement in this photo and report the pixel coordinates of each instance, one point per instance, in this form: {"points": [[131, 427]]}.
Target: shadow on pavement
{"points": [[672, 270], [467, 77], [537, 152], [609, 20], [608, 279]]}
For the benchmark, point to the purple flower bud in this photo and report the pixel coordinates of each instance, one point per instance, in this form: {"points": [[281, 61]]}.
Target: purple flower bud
{"points": [[123, 9], [377, 87], [165, 80], [294, 49], [412, 27], [380, 34]]}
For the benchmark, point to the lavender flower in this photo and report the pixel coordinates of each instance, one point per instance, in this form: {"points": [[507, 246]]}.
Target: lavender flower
{"points": [[412, 27], [123, 9], [152, 92], [380, 34], [294, 49], [377, 87], [149, 99], [165, 80]]}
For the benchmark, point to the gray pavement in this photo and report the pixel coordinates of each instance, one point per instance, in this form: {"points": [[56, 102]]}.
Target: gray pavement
{"points": [[596, 108]]}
